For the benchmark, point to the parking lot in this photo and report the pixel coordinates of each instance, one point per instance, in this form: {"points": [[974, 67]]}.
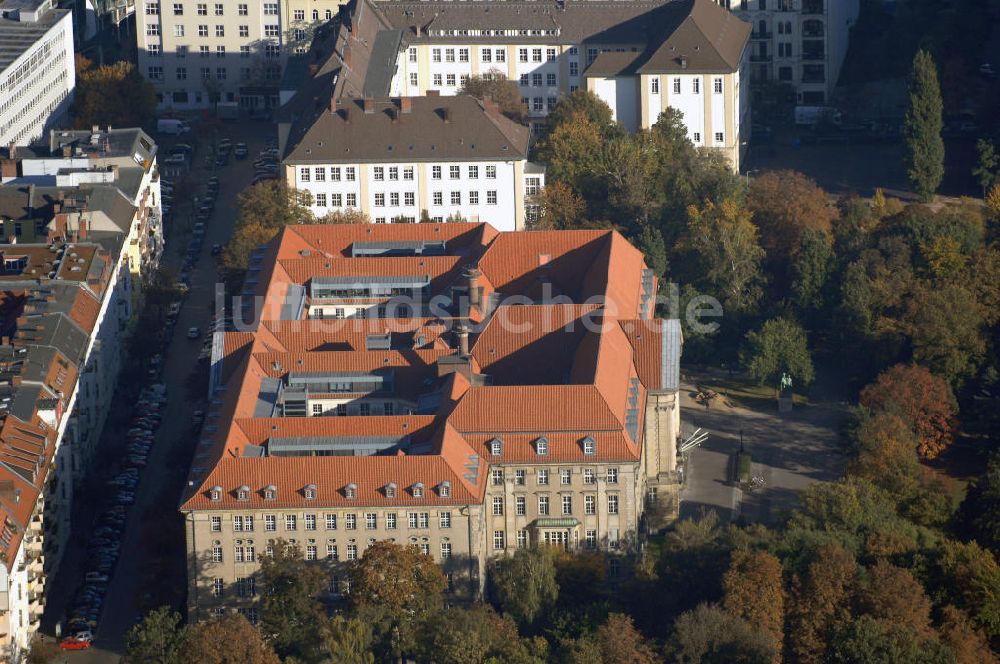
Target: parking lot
{"points": [[129, 537]]}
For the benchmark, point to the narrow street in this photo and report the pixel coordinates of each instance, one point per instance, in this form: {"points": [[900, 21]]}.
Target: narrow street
{"points": [[159, 487]]}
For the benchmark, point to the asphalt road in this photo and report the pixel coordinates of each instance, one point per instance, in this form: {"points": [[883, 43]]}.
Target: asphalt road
{"points": [[159, 478]]}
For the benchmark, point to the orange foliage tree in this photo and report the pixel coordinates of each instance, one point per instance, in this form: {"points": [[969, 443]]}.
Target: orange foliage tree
{"points": [[921, 399], [755, 592]]}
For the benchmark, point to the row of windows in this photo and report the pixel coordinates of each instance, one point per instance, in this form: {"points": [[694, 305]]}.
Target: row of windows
{"points": [[437, 198], [381, 173], [561, 538], [486, 54], [540, 104], [542, 476], [695, 86], [521, 505], [270, 30], [535, 80], [336, 200], [246, 524], [363, 409], [350, 173], [300, 15]]}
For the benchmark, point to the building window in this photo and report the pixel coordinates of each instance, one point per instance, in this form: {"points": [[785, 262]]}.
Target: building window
{"points": [[444, 489], [216, 524], [524, 80], [425, 549], [519, 477], [272, 30], [454, 172], [590, 505], [491, 172], [414, 81], [456, 198], [310, 521], [473, 198], [331, 521], [612, 504], [565, 476], [270, 523], [522, 55], [202, 30], [237, 524], [574, 68], [567, 505], [541, 443], [543, 477], [696, 137], [409, 199], [435, 172], [220, 73], [418, 490], [496, 476], [612, 475], [500, 55], [351, 521], [436, 55], [352, 201], [654, 86], [520, 506], [696, 86], [379, 200], [371, 520], [536, 80], [486, 55], [202, 9], [536, 55], [331, 552], [390, 490], [449, 55], [241, 9], [677, 86], [155, 73], [491, 197], [270, 9], [291, 522], [498, 540], [238, 551], [463, 55], [445, 550], [217, 552], [437, 198], [543, 505], [218, 587], [444, 520], [719, 137], [352, 551], [590, 539], [153, 50], [497, 505], [717, 86], [522, 538], [178, 9], [390, 521]]}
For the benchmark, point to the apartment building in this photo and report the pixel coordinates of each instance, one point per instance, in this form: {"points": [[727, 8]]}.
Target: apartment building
{"points": [[73, 244], [197, 54], [37, 74], [413, 159], [799, 42], [464, 390], [623, 51]]}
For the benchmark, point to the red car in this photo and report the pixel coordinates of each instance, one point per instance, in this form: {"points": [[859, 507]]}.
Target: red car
{"points": [[73, 643]]}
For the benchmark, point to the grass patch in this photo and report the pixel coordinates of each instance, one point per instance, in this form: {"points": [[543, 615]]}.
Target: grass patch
{"points": [[748, 393], [743, 462]]}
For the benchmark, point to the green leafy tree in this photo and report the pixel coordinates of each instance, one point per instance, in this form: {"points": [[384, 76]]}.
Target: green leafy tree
{"points": [[228, 640], [692, 561], [650, 243], [986, 171], [495, 86], [945, 330], [155, 640], [263, 209], [980, 511], [524, 586], [115, 94], [581, 102], [810, 270], [923, 124], [728, 253], [885, 453], [779, 346], [348, 641], [471, 636], [709, 635], [572, 153], [560, 208], [867, 640], [290, 612], [397, 586], [969, 578]]}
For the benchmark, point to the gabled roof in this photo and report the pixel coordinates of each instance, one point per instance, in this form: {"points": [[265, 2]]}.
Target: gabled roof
{"points": [[707, 39]]}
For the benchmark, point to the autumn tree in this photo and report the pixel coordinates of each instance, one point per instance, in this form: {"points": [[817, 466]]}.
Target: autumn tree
{"points": [[228, 640], [820, 603], [785, 204], [621, 643], [728, 253], [559, 208], [115, 94], [692, 560], [755, 591], [290, 612], [885, 453], [779, 346], [156, 639], [345, 216], [923, 401], [263, 209], [892, 594], [966, 641], [709, 635], [922, 128], [42, 651], [396, 587], [572, 151], [495, 86], [348, 641], [523, 585], [470, 636], [993, 202]]}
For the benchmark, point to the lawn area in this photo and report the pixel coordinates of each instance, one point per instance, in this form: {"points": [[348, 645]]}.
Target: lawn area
{"points": [[746, 392]]}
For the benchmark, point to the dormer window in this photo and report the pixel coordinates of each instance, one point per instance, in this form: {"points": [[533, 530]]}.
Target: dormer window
{"points": [[542, 446], [589, 446], [215, 493], [309, 492], [351, 491], [418, 490], [243, 493], [444, 489], [270, 492], [496, 447], [390, 490]]}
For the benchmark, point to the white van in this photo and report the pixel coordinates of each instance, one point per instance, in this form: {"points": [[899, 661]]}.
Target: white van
{"points": [[172, 126]]}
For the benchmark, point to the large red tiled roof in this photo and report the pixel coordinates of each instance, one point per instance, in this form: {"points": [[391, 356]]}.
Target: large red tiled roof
{"points": [[85, 310], [526, 376]]}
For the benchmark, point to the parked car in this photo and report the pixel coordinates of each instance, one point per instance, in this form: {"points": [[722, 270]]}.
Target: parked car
{"points": [[193, 333], [241, 152], [73, 643]]}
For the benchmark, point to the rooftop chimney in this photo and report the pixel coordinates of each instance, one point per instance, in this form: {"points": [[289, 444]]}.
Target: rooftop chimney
{"points": [[475, 292], [462, 332], [369, 105], [406, 104], [333, 104]]}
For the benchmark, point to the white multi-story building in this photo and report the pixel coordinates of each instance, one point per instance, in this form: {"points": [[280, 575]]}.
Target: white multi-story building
{"points": [[411, 159], [625, 52], [37, 74], [199, 53], [799, 42]]}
